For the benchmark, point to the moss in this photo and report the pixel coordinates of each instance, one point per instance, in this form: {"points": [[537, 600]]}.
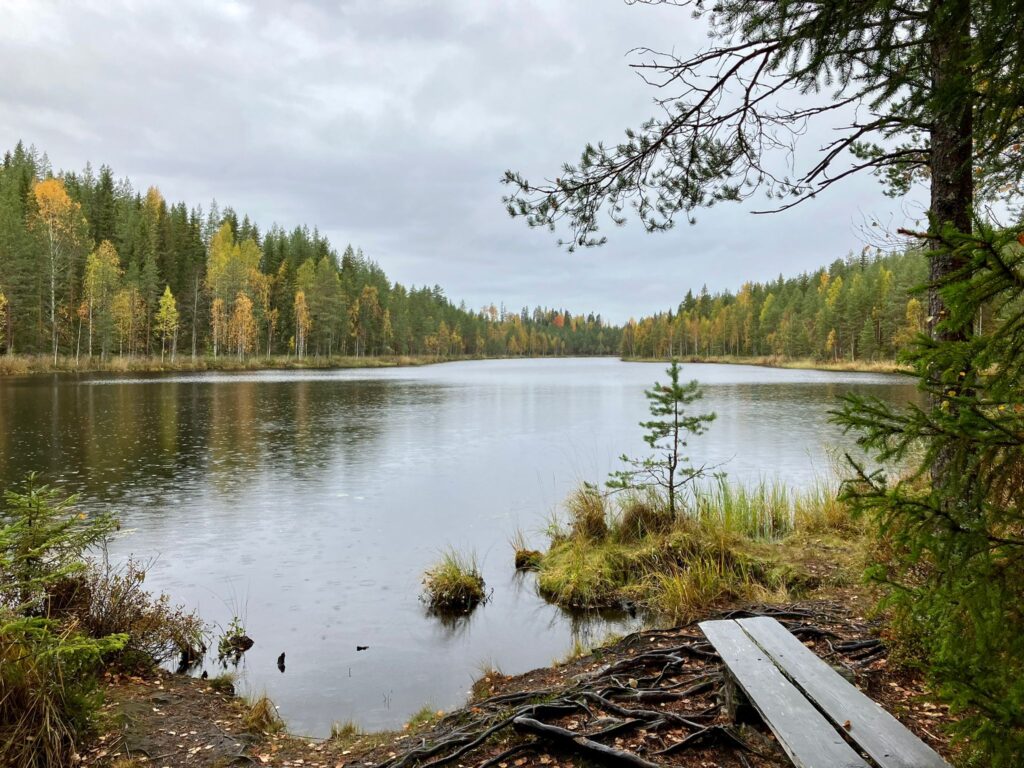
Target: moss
{"points": [[224, 683], [485, 685], [528, 559]]}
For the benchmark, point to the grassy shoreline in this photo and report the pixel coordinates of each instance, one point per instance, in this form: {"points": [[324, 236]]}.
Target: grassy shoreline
{"points": [[732, 544], [31, 365], [799, 363]]}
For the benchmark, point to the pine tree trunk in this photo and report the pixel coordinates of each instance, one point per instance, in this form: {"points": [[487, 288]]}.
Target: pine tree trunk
{"points": [[952, 184]]}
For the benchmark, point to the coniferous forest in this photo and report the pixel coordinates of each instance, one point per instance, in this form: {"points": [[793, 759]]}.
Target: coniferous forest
{"points": [[751, 567], [863, 308], [90, 267]]}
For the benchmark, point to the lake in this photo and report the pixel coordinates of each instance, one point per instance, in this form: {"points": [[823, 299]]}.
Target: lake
{"points": [[310, 502]]}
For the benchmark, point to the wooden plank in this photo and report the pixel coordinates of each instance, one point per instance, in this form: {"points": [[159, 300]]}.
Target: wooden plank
{"points": [[806, 736], [879, 734]]}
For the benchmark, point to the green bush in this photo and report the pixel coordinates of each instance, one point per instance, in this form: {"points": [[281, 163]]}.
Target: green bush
{"points": [[110, 599], [48, 664]]}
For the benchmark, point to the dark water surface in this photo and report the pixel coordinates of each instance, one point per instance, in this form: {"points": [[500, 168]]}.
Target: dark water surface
{"points": [[311, 502]]}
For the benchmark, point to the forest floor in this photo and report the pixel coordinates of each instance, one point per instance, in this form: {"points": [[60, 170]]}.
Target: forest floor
{"points": [[781, 361], [653, 697]]}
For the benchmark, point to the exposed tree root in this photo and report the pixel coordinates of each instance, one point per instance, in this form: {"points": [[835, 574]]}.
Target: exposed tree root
{"points": [[659, 701]]}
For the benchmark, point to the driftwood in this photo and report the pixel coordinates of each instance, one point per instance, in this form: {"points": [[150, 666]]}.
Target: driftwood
{"points": [[664, 698]]}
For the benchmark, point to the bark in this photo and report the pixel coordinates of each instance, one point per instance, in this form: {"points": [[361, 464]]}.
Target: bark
{"points": [[952, 184]]}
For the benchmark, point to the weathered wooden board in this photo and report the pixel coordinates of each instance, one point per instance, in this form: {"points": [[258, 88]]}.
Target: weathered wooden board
{"points": [[804, 733], [879, 734]]}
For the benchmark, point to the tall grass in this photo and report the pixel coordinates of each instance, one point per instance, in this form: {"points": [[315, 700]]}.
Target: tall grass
{"points": [[48, 693], [262, 716], [762, 511]]}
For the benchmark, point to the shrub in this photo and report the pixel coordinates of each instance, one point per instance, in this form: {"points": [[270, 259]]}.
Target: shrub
{"points": [[47, 667], [48, 695], [233, 641], [454, 585], [111, 599]]}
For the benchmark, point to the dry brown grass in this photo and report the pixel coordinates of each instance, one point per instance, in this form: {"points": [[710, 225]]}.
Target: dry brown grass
{"points": [[803, 363], [262, 717], [22, 365]]}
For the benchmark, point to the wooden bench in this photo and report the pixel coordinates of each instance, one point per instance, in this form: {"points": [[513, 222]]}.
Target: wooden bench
{"points": [[816, 715]]}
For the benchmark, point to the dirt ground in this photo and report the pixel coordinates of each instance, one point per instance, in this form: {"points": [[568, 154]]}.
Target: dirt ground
{"points": [[653, 698]]}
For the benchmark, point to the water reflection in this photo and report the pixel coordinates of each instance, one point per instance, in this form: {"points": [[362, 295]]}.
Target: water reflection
{"points": [[309, 503]]}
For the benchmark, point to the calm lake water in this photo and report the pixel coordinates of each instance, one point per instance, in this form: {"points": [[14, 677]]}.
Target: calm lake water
{"points": [[310, 503]]}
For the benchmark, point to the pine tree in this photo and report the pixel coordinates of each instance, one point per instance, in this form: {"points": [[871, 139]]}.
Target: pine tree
{"points": [[668, 434]]}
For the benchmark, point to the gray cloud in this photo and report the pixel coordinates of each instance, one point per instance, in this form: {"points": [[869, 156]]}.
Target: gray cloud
{"points": [[387, 123]]}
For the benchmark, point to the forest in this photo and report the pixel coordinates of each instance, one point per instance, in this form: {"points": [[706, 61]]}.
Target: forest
{"points": [[90, 267], [862, 308]]}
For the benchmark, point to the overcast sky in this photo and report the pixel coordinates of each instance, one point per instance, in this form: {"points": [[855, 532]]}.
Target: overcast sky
{"points": [[388, 124]]}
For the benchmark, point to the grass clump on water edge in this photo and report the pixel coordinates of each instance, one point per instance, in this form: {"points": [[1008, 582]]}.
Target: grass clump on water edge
{"points": [[526, 559], [726, 543], [262, 716], [454, 585]]}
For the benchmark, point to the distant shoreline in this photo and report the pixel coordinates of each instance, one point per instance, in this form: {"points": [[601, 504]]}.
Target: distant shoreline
{"points": [[35, 365], [801, 363]]}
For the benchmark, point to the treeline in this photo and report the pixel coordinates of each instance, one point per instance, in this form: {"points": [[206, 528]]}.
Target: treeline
{"points": [[91, 267], [860, 308]]}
